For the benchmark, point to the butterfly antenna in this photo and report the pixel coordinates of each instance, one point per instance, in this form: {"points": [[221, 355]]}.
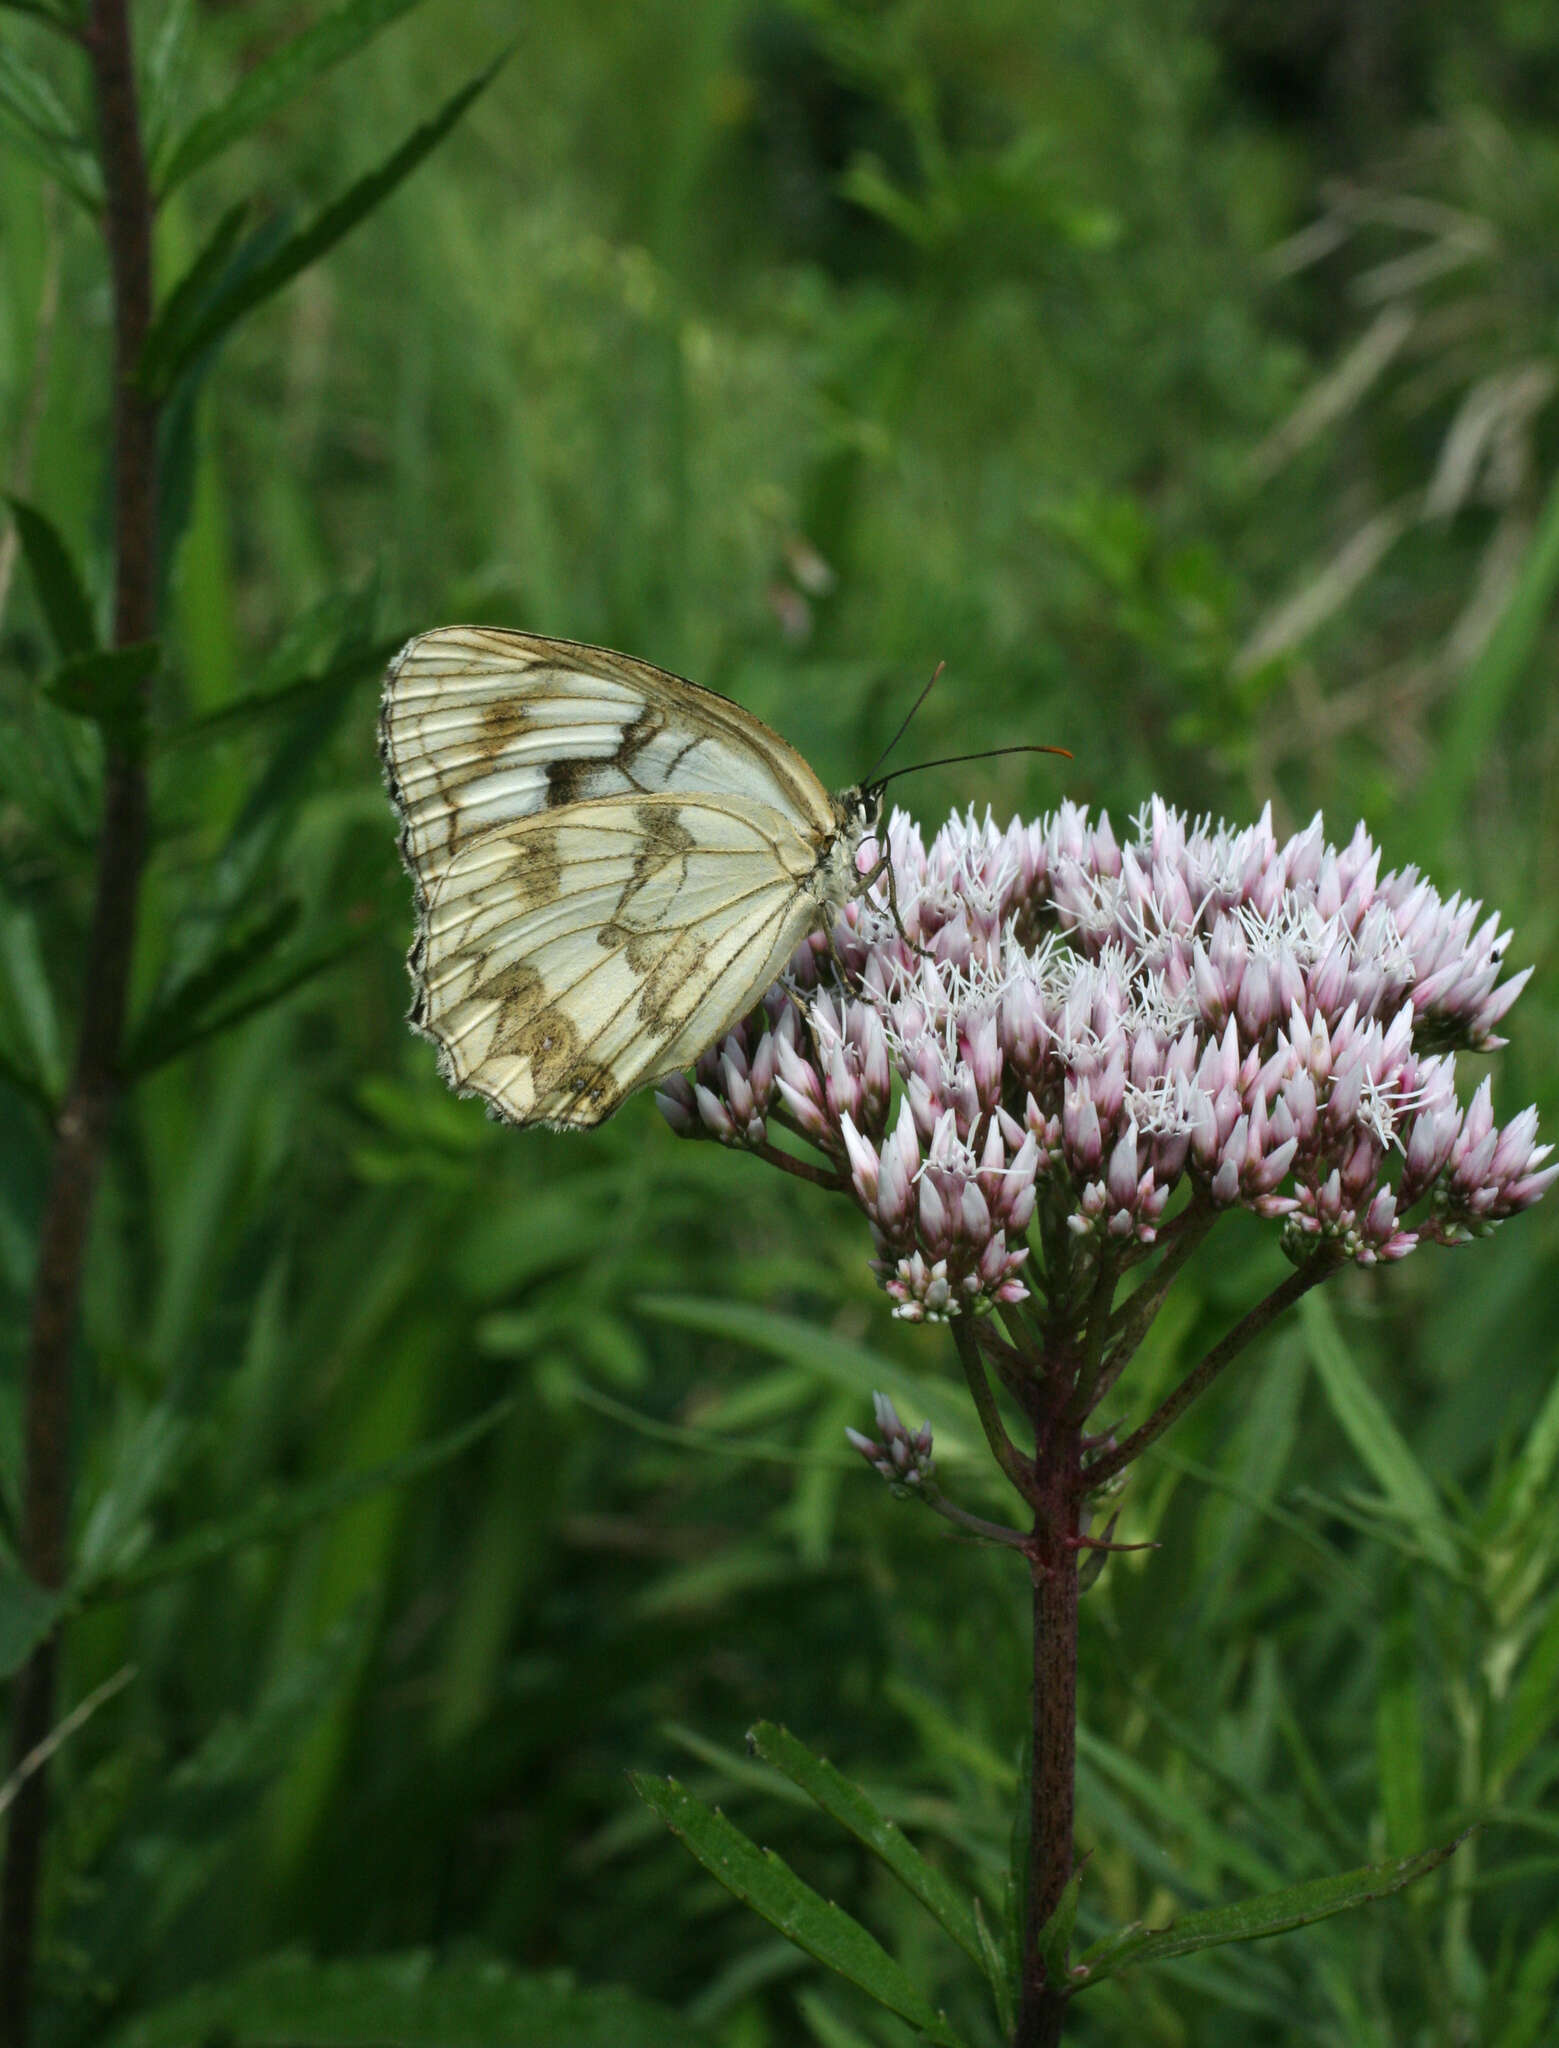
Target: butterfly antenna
{"points": [[904, 725], [951, 760]]}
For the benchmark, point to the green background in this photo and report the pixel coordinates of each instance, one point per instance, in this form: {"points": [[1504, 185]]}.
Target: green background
{"points": [[796, 349]]}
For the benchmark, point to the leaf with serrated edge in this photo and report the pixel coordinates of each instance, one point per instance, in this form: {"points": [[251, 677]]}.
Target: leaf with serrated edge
{"points": [[767, 1883], [1253, 1919], [848, 1804]]}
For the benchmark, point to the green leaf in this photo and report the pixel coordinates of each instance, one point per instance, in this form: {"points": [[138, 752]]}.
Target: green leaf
{"points": [[66, 606], [109, 688], [404, 2001], [280, 1515], [816, 1925], [1376, 1438], [1528, 1485], [999, 1972], [189, 299], [1399, 1725], [167, 1026], [293, 975], [28, 1613], [203, 1003], [848, 1804], [275, 80], [1534, 1700], [27, 1002], [1253, 1919], [309, 243], [39, 124], [229, 720], [1055, 1937]]}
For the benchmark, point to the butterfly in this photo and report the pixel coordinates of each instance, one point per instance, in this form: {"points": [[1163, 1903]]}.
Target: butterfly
{"points": [[611, 864]]}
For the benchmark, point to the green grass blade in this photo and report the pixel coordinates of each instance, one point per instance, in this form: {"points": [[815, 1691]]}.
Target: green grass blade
{"points": [[1373, 1434], [1253, 1919], [848, 1804], [762, 1880], [277, 79]]}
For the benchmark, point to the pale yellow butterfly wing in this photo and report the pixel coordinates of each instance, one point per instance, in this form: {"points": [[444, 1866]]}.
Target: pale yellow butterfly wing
{"points": [[569, 958], [481, 727]]}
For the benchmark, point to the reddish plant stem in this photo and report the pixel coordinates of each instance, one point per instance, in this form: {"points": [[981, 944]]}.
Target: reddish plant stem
{"points": [[1053, 1569], [801, 1169], [81, 1131]]}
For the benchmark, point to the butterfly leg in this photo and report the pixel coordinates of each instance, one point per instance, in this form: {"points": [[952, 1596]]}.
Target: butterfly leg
{"points": [[883, 868]]}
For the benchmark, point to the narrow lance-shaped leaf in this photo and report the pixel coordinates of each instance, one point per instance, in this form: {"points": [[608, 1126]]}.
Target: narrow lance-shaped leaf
{"points": [[1252, 1919], [1055, 1937], [29, 1015], [999, 1970], [67, 610], [168, 1038], [277, 78], [333, 683], [767, 1883], [178, 1008], [304, 248], [191, 296], [849, 1805]]}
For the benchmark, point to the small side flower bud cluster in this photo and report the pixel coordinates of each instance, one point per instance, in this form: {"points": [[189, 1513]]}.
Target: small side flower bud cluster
{"points": [[1071, 1032], [904, 1455]]}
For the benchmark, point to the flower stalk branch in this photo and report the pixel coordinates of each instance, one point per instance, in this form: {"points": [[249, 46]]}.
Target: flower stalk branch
{"points": [[1018, 1469], [1223, 1353]]}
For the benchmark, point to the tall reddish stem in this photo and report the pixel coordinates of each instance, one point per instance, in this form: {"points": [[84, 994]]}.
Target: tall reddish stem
{"points": [[1053, 1568], [81, 1131]]}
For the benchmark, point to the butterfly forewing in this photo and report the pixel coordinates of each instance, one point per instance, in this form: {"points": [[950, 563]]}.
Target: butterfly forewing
{"points": [[570, 959], [481, 727]]}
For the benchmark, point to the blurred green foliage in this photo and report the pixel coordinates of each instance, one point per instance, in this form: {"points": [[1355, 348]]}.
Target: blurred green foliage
{"points": [[419, 1484]]}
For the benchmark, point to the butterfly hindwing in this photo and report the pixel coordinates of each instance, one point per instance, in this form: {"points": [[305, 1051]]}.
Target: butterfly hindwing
{"points": [[482, 727], [569, 958]]}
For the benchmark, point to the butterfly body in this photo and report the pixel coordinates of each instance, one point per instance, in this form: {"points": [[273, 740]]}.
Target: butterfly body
{"points": [[612, 864]]}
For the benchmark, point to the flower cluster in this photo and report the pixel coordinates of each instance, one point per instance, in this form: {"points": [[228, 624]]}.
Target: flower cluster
{"points": [[1059, 1032], [903, 1457]]}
